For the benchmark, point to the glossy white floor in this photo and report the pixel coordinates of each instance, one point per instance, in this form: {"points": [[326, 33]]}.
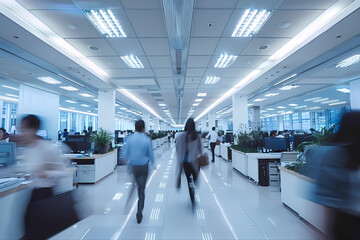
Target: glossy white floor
{"points": [[229, 207]]}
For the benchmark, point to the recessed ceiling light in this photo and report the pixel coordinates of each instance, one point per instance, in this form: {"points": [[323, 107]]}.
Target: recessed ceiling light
{"points": [[94, 48], [85, 105], [285, 25], [85, 95], [49, 80], [117, 105], [132, 61], [270, 109], [123, 108], [337, 103], [292, 104], [250, 104], [286, 79], [70, 101], [9, 87], [289, 87], [271, 94], [313, 108], [349, 61], [343, 90], [201, 94], [304, 106], [311, 99], [281, 107], [259, 99], [263, 47], [321, 100], [212, 80], [12, 95], [198, 100], [196, 104], [69, 88], [250, 22], [162, 104], [330, 101], [225, 60], [106, 23]]}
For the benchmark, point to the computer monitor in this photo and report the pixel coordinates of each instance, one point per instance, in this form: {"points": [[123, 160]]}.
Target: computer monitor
{"points": [[78, 143], [42, 133], [7, 154]]}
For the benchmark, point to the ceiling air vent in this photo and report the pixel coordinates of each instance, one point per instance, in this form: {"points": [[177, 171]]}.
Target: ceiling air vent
{"points": [[178, 62], [155, 94], [153, 90]]}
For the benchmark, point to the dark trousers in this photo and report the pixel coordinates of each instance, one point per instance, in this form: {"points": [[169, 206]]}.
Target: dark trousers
{"points": [[140, 175], [346, 226], [212, 146], [191, 176]]}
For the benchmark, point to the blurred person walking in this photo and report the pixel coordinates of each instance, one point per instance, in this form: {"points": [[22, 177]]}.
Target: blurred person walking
{"points": [[140, 154], [338, 180], [188, 150], [212, 136], [45, 215]]}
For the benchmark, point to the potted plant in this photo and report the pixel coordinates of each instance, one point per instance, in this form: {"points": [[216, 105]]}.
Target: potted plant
{"points": [[102, 140]]}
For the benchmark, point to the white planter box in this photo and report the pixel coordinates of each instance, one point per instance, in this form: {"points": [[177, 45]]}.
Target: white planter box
{"points": [[294, 187], [218, 150], [153, 142], [240, 161], [224, 150]]}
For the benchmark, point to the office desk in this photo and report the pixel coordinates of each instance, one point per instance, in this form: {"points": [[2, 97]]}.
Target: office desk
{"points": [[262, 167], [94, 168]]}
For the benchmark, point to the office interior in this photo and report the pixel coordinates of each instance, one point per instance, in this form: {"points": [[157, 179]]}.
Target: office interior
{"points": [[284, 66]]}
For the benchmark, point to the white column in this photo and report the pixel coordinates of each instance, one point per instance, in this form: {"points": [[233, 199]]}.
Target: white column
{"points": [[156, 125], [240, 111], [212, 118], [146, 118], [106, 110], [355, 95], [1, 110], [163, 126], [256, 115], [43, 104], [203, 124]]}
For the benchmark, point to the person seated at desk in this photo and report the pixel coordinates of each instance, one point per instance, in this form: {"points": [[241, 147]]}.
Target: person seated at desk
{"points": [[4, 136], [286, 133], [275, 134]]}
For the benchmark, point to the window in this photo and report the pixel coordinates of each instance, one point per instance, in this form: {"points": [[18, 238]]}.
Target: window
{"points": [[296, 121], [320, 120], [287, 122], [305, 121]]}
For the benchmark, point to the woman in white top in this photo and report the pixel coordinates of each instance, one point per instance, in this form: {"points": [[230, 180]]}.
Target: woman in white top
{"points": [[188, 149]]}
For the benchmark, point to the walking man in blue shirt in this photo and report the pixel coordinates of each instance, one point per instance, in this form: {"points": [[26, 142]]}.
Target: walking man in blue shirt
{"points": [[140, 154]]}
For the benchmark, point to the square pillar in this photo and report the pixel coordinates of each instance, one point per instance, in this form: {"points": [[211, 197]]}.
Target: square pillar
{"points": [[106, 110], [240, 111], [355, 95], [146, 119]]}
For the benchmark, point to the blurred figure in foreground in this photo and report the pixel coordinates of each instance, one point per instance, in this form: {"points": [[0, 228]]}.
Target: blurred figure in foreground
{"points": [[188, 149], [4, 136], [139, 153], [338, 180], [43, 162]]}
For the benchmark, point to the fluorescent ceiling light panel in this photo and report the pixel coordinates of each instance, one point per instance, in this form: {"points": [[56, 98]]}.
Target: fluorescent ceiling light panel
{"points": [[162, 104], [49, 80], [292, 104], [132, 61], [321, 100], [75, 111], [70, 101], [12, 95], [311, 99], [202, 94], [337, 103], [313, 108], [250, 104], [9, 87], [96, 100], [289, 87], [106, 23], [196, 104], [285, 79], [9, 99], [271, 94], [349, 61], [69, 88], [304, 106], [212, 80], [251, 22], [343, 90], [270, 109], [85, 95], [225, 60], [259, 99], [281, 107], [85, 105], [330, 101], [198, 100]]}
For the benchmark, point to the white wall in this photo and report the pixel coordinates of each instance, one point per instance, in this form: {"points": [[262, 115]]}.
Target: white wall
{"points": [[355, 95], [43, 104]]}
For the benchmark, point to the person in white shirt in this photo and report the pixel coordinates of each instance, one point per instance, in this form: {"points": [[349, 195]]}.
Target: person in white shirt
{"points": [[4, 136], [213, 136]]}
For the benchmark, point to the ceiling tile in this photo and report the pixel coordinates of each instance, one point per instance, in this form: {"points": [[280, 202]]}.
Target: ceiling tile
{"points": [[147, 23], [126, 46], [165, 81], [160, 61], [136, 82], [167, 86], [192, 80], [83, 46], [237, 72], [217, 18], [195, 72], [67, 24], [163, 72], [155, 46], [261, 4], [306, 4], [198, 61], [192, 85], [202, 46], [46, 4], [215, 4], [298, 19], [233, 46], [141, 4], [273, 44], [109, 62], [103, 4], [249, 61], [126, 73]]}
